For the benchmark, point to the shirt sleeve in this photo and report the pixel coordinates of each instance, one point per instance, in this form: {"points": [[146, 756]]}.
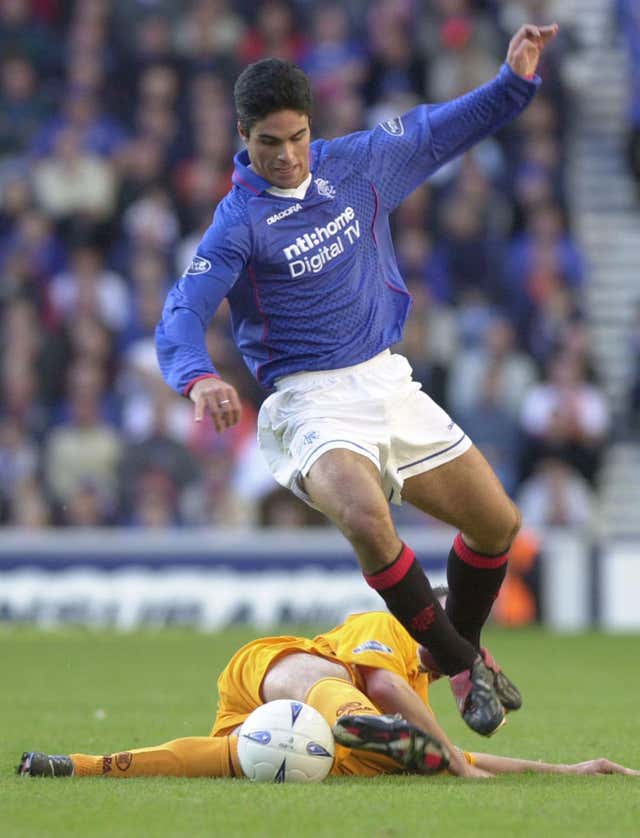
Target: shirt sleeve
{"points": [[401, 153], [180, 336]]}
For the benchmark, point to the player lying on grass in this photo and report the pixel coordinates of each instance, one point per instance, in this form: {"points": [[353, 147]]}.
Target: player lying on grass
{"points": [[358, 676]]}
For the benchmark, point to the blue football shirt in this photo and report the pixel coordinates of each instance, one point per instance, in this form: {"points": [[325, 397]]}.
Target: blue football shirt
{"points": [[312, 283]]}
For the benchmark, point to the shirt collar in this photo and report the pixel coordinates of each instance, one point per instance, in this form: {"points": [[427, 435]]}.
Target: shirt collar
{"points": [[299, 192], [246, 178]]}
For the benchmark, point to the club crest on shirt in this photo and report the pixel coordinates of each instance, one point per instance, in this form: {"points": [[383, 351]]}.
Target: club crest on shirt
{"points": [[372, 646], [394, 126], [198, 265], [325, 188]]}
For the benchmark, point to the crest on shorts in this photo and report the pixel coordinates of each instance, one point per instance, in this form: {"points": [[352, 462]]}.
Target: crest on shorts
{"points": [[198, 265], [372, 646], [394, 126]]}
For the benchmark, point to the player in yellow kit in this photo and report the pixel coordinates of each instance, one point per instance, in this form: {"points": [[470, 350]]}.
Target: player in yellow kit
{"points": [[358, 675]]}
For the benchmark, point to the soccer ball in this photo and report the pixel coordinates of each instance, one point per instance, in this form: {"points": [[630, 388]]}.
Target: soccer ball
{"points": [[285, 741]]}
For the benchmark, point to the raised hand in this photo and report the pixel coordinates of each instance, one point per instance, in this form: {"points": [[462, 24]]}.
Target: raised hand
{"points": [[526, 47]]}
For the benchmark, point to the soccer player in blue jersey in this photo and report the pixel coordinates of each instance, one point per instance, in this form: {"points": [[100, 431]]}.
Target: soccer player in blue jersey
{"points": [[301, 249]]}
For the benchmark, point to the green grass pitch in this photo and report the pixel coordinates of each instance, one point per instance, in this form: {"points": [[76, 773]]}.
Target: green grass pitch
{"points": [[102, 692]]}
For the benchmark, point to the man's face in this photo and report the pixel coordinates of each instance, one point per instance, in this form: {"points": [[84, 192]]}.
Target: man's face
{"points": [[278, 147]]}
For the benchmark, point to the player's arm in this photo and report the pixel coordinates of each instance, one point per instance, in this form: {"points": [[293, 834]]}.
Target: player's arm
{"points": [[392, 694], [457, 125], [402, 153], [190, 305], [509, 765]]}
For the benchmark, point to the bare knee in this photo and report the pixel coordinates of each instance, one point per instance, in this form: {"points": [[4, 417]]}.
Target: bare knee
{"points": [[369, 528], [362, 522], [496, 535]]}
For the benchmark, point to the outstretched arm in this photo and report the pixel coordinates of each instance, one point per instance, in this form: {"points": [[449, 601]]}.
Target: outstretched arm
{"points": [[508, 765], [392, 694]]}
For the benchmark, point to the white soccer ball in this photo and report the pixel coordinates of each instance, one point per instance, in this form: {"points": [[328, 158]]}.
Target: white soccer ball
{"points": [[285, 741]]}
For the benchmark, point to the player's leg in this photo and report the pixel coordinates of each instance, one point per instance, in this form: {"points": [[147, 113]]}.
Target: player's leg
{"points": [[466, 493], [193, 756], [326, 686], [346, 487]]}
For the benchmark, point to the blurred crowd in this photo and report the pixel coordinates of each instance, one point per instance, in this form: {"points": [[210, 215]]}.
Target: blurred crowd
{"points": [[117, 134]]}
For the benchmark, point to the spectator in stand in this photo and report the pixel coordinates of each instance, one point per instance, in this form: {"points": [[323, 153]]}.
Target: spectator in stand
{"points": [[21, 339], [89, 287], [429, 341], [274, 35], [536, 162], [83, 112], [21, 32], [493, 424], [83, 448], [20, 397], [209, 31], [87, 506], [470, 256], [21, 352], [397, 71], [71, 181], [421, 265], [16, 197], [513, 373], [82, 336], [149, 279], [19, 457], [556, 495], [335, 62], [155, 459], [141, 163], [566, 417], [152, 222], [155, 502], [539, 261], [34, 237], [466, 45], [29, 508], [22, 105]]}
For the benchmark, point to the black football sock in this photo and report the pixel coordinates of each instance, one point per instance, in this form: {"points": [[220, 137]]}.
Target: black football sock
{"points": [[409, 597], [474, 581]]}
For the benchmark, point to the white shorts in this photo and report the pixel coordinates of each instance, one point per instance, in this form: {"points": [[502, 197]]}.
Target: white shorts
{"points": [[375, 409]]}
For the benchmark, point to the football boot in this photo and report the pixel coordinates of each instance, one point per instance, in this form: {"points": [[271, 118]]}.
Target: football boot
{"points": [[394, 737], [36, 764]]}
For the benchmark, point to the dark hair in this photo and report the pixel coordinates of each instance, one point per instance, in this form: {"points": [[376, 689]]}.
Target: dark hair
{"points": [[268, 86]]}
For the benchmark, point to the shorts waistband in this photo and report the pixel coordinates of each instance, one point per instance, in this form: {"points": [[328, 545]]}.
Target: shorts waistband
{"points": [[309, 375]]}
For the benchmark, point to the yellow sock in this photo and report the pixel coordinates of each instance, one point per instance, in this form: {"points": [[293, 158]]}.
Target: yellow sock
{"points": [[193, 756], [332, 698]]}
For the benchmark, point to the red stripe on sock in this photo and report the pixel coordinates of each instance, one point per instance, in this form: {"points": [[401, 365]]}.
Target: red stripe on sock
{"points": [[394, 573], [470, 557]]}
